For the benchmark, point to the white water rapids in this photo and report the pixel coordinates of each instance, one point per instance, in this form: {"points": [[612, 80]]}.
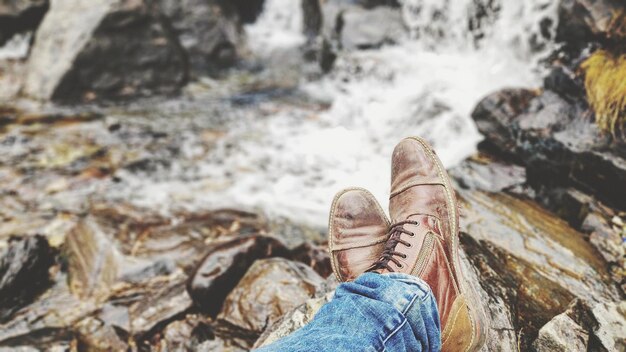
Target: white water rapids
{"points": [[291, 162]]}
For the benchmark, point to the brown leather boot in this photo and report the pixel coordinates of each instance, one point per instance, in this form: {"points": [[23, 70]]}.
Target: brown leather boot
{"points": [[357, 232], [424, 242]]}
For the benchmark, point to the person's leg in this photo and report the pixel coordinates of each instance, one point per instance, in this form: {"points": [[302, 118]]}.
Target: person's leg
{"points": [[392, 312]]}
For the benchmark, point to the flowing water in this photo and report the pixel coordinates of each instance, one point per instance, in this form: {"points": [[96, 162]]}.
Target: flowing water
{"points": [[293, 139]]}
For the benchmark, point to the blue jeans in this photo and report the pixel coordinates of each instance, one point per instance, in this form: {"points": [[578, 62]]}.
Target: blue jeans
{"points": [[389, 312]]}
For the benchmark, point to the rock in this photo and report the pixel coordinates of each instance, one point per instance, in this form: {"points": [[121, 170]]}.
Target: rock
{"points": [[611, 328], [110, 49], [141, 309], [19, 16], [181, 240], [293, 320], [484, 172], [92, 260], [529, 263], [559, 146], [47, 321], [294, 233], [582, 328], [185, 335], [582, 21], [495, 114], [367, 29], [208, 33], [314, 256], [312, 13], [562, 334], [224, 265], [11, 73], [565, 83], [270, 288], [94, 335], [24, 273]]}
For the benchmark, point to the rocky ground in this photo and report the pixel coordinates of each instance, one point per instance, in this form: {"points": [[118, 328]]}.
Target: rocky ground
{"points": [[86, 266]]}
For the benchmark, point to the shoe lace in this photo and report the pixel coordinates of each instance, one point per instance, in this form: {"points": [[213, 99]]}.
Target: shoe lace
{"points": [[389, 253]]}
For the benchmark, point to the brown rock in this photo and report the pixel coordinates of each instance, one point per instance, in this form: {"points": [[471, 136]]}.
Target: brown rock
{"points": [[529, 263], [95, 336], [92, 260], [314, 256], [224, 265], [185, 335], [271, 288], [294, 320], [181, 239], [48, 320], [142, 308]]}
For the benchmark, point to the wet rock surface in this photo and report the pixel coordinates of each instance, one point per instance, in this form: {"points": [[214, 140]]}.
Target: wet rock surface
{"points": [[270, 289], [225, 264]]}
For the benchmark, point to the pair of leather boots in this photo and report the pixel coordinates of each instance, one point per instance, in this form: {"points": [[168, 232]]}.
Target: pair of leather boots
{"points": [[422, 240]]}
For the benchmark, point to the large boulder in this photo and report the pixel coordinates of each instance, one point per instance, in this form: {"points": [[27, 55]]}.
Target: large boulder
{"points": [[208, 32], [113, 49], [555, 140], [585, 328], [270, 289], [19, 16], [103, 48], [224, 265]]}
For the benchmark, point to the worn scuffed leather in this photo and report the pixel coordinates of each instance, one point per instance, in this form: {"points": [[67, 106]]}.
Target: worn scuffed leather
{"points": [[421, 192], [356, 232]]}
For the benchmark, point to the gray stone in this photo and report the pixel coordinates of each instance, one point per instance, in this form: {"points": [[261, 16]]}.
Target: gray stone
{"points": [[553, 138], [611, 329], [89, 49], [209, 34], [584, 328], [19, 16]]}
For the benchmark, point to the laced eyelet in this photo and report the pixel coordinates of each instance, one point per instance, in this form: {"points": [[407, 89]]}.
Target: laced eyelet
{"points": [[412, 234], [404, 256], [409, 245], [400, 266]]}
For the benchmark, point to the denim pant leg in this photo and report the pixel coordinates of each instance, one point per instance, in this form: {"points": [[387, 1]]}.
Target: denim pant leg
{"points": [[390, 312]]}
